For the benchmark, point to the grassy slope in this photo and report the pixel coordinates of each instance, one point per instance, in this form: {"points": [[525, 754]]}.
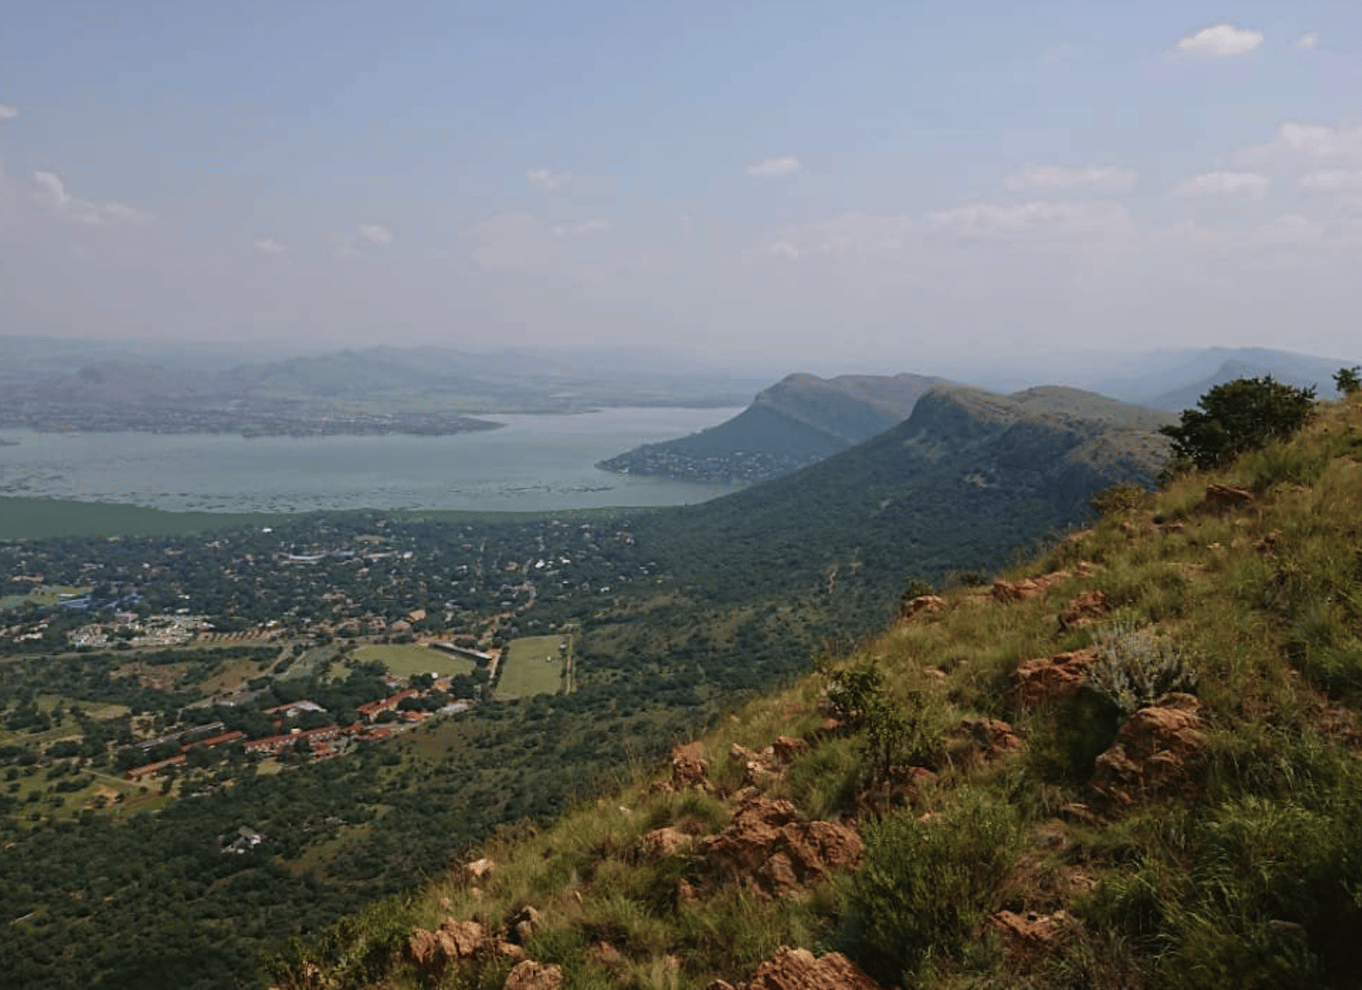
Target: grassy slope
{"points": [[1248, 875]]}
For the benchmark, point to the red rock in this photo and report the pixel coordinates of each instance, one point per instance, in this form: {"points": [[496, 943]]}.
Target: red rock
{"points": [[531, 975], [1157, 752], [1046, 680], [687, 766], [919, 606], [787, 748], [1226, 498], [797, 969], [662, 842], [1084, 609]]}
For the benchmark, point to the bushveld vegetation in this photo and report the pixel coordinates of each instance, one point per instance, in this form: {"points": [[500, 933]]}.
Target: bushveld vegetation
{"points": [[1238, 868]]}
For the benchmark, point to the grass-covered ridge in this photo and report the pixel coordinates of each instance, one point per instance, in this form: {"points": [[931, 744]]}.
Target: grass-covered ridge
{"points": [[1020, 852]]}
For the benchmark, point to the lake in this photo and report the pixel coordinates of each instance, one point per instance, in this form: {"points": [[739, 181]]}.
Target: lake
{"points": [[533, 463]]}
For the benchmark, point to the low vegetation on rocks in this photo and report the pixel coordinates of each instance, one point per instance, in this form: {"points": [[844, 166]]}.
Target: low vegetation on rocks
{"points": [[1160, 788]]}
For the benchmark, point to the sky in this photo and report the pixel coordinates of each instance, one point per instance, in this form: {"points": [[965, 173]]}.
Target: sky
{"points": [[867, 185]]}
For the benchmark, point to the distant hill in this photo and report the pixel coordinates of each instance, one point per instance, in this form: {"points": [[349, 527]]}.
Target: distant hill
{"points": [[796, 422], [377, 389], [1175, 381], [957, 486]]}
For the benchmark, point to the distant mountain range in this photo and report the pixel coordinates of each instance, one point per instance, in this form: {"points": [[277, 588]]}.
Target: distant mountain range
{"points": [[797, 421], [47, 385]]}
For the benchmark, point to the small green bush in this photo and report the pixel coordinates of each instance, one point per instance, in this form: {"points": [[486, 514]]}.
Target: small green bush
{"points": [[924, 887], [1133, 669]]}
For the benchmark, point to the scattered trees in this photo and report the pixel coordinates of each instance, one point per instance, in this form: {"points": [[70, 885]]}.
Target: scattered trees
{"points": [[1348, 380]]}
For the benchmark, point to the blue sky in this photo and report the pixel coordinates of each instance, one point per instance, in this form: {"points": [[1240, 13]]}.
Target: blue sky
{"points": [[862, 185]]}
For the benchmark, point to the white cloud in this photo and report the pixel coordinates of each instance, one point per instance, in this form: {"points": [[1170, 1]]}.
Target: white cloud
{"points": [[1333, 181], [1221, 41], [784, 250], [376, 234], [268, 245], [50, 192], [1306, 41], [1289, 229], [547, 179], [1099, 178], [774, 167], [582, 229], [1248, 184], [686, 224], [8, 112], [366, 235], [994, 220], [1311, 142]]}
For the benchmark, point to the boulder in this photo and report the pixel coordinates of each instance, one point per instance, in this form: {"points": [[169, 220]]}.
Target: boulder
{"points": [[798, 969], [531, 975], [1020, 591], [687, 766], [1226, 498], [1029, 935], [1158, 752], [788, 747], [919, 606], [766, 847], [452, 942], [525, 923], [1084, 609], [1046, 680], [992, 738], [474, 872], [662, 842]]}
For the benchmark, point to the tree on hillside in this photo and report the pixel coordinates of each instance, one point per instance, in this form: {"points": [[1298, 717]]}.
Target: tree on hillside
{"points": [[1237, 416], [1348, 380]]}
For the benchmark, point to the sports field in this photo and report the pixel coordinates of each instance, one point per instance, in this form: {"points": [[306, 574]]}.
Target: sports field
{"points": [[533, 665], [406, 659]]}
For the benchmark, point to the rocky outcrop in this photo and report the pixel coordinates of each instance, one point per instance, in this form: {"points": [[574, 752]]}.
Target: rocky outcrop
{"points": [[452, 942], [531, 975], [1029, 936], [1020, 591], [1084, 609], [767, 848], [1157, 753], [1226, 498], [663, 842], [989, 738], [919, 606], [688, 768], [798, 969], [1046, 680]]}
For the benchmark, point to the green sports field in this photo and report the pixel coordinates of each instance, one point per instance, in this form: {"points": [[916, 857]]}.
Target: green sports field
{"points": [[533, 665]]}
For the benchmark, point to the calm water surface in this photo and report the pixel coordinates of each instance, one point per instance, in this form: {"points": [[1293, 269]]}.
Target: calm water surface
{"points": [[532, 463]]}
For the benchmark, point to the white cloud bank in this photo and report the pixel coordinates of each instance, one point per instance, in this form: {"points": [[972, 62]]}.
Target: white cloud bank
{"points": [[547, 179], [1221, 41], [268, 246], [773, 168], [582, 229], [1306, 41], [1249, 184], [1096, 178], [1333, 181], [998, 220], [8, 112], [51, 194]]}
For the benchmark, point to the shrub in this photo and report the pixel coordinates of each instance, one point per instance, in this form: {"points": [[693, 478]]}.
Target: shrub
{"points": [[1119, 499], [924, 888], [1133, 670], [1237, 416]]}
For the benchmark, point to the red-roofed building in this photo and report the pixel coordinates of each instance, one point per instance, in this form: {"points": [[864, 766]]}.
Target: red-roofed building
{"points": [[151, 769]]}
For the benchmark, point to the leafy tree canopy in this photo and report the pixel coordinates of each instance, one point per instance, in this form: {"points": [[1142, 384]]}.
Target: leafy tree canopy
{"points": [[1348, 380], [1237, 416]]}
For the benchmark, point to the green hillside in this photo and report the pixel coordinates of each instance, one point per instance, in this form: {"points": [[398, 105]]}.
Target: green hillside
{"points": [[798, 421], [1133, 762]]}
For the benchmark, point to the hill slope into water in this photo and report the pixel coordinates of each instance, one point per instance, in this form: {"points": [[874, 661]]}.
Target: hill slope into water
{"points": [[1135, 763], [798, 421]]}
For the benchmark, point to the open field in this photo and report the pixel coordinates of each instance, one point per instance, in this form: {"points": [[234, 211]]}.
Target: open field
{"points": [[408, 659], [46, 595], [532, 665]]}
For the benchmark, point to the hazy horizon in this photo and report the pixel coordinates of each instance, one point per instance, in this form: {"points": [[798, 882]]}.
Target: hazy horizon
{"points": [[887, 187]]}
